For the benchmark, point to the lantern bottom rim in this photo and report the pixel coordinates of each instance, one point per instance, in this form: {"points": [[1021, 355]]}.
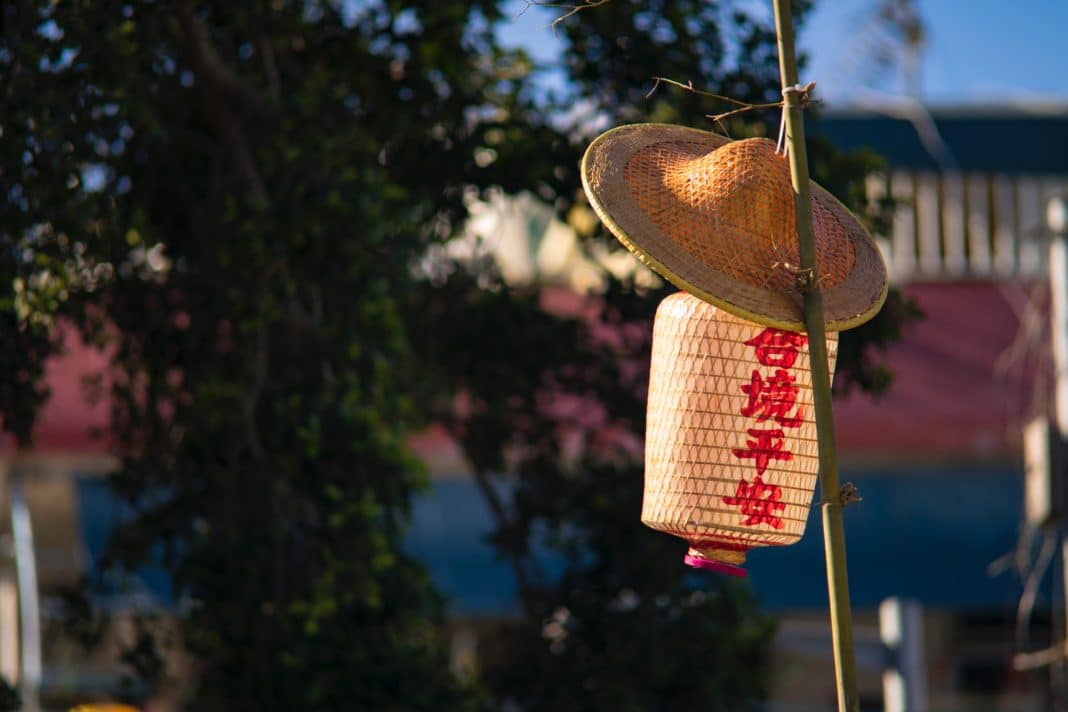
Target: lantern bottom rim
{"points": [[712, 559]]}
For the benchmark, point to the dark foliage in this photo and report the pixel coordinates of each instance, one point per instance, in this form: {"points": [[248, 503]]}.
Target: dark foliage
{"points": [[232, 196]]}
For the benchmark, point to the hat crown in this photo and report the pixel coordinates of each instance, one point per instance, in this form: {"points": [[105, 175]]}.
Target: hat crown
{"points": [[733, 208]]}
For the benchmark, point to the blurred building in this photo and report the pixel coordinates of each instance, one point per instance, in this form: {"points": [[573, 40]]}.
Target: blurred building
{"points": [[938, 459]]}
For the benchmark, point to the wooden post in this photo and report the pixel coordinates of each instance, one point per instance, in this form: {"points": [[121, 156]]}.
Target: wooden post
{"points": [[833, 528], [29, 610], [905, 680]]}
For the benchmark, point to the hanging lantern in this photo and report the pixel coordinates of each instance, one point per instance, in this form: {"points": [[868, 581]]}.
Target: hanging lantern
{"points": [[731, 450]]}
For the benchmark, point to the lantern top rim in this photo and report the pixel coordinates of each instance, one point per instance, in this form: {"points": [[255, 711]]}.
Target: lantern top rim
{"points": [[715, 217]]}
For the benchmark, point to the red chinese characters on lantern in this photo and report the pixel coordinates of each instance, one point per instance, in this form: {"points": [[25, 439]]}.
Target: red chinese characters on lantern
{"points": [[775, 347], [771, 396], [763, 446], [757, 501]]}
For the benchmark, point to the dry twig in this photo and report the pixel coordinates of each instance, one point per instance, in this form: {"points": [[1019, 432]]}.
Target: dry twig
{"points": [[740, 106], [571, 9]]}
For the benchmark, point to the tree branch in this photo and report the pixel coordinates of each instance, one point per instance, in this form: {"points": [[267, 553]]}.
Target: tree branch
{"points": [[740, 106], [251, 401], [571, 9], [216, 83], [210, 67], [503, 523], [270, 67]]}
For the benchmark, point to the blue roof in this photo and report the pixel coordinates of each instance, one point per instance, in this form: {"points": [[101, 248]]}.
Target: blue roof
{"points": [[986, 142]]}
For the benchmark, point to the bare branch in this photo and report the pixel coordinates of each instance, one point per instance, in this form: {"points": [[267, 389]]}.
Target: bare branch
{"points": [[688, 86], [571, 9], [740, 106]]}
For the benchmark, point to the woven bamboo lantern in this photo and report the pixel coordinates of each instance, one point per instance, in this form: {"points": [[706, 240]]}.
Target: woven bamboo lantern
{"points": [[731, 449]]}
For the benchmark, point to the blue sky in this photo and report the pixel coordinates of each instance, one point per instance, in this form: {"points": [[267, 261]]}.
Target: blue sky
{"points": [[982, 51]]}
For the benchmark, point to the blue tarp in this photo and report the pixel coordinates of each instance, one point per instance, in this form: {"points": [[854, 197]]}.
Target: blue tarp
{"points": [[926, 533]]}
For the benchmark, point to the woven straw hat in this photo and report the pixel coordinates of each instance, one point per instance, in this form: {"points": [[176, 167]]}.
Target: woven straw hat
{"points": [[716, 218]]}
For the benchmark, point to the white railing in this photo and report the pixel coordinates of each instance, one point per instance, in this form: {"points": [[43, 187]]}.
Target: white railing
{"points": [[960, 226]]}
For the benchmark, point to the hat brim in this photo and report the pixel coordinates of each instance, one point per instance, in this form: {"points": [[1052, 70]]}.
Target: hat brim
{"points": [[850, 303]]}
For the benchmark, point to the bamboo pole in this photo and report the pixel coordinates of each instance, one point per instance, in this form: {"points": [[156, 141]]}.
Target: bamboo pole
{"points": [[833, 529]]}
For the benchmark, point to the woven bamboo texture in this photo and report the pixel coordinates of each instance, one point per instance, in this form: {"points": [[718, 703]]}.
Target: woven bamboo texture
{"points": [[708, 478], [716, 217]]}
